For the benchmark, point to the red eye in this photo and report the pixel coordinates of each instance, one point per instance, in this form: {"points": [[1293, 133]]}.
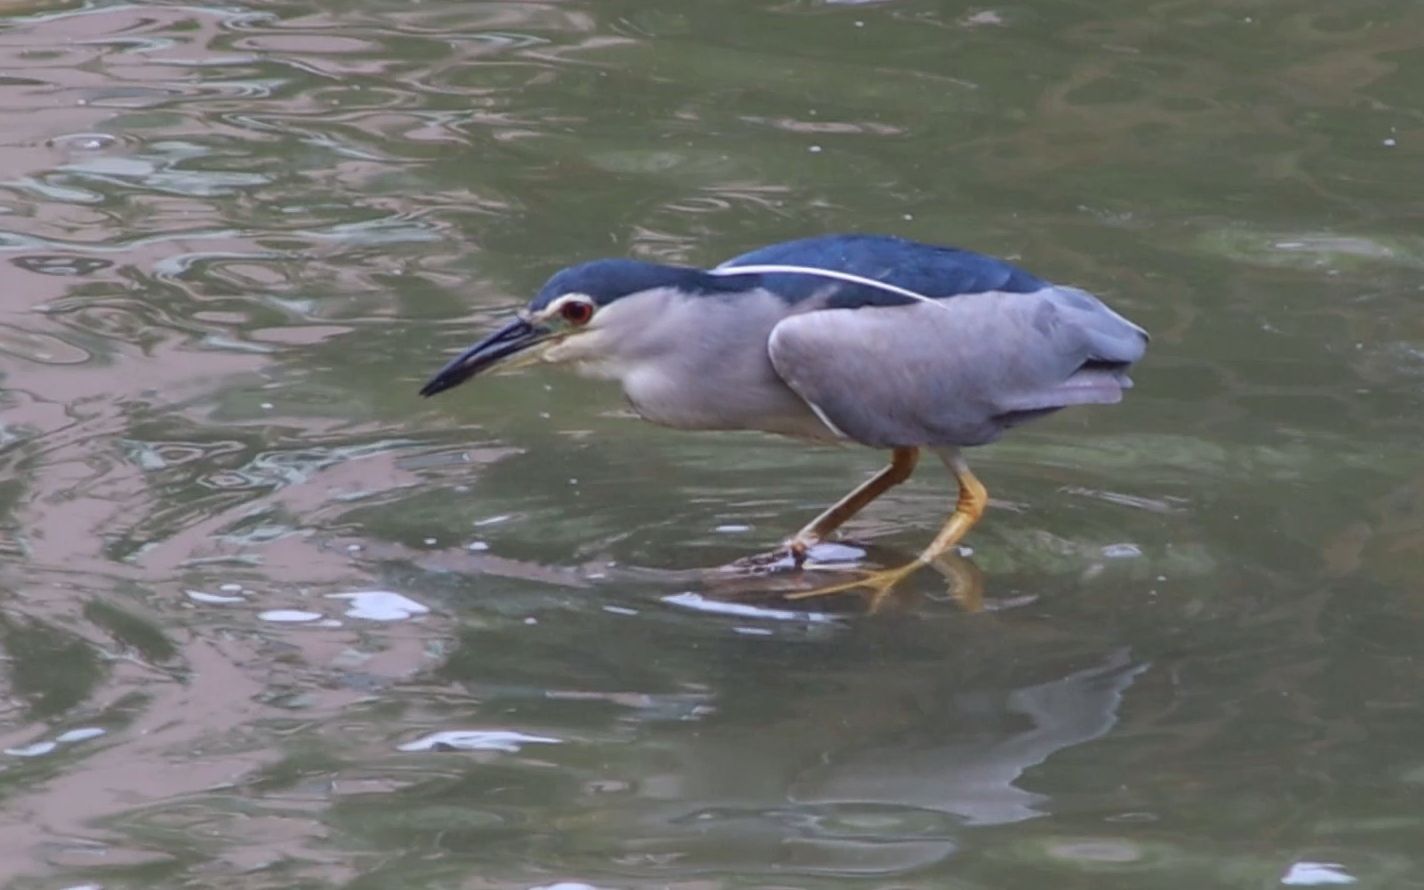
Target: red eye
{"points": [[576, 312]]}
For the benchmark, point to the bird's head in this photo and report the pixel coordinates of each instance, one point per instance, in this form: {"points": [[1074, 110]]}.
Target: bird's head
{"points": [[585, 312]]}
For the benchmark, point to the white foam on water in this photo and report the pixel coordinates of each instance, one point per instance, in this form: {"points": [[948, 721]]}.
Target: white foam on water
{"points": [[379, 605], [38, 749], [199, 596], [1122, 551], [477, 740], [700, 603], [1315, 874], [288, 616], [831, 552]]}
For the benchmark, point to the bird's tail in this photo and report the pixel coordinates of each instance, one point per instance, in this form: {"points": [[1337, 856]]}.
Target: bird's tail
{"points": [[1108, 345]]}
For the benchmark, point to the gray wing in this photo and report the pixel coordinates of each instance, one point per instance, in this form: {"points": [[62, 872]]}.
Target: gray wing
{"points": [[957, 371]]}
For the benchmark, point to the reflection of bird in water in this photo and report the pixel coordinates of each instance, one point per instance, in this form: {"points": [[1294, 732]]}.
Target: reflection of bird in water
{"points": [[974, 776], [877, 340], [818, 790]]}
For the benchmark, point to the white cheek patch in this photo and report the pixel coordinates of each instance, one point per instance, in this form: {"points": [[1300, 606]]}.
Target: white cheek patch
{"points": [[617, 340], [584, 351], [559, 351]]}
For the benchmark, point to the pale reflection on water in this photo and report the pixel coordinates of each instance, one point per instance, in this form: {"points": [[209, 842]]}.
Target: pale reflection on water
{"points": [[268, 619], [975, 778]]}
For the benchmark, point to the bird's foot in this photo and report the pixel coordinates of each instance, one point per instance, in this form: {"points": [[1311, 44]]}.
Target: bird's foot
{"points": [[877, 583], [966, 583], [798, 547]]}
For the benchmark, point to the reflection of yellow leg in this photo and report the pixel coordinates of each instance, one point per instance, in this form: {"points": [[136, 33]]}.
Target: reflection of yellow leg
{"points": [[966, 581], [967, 510], [902, 464]]}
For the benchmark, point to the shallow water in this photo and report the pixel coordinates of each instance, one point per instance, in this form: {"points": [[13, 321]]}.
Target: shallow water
{"points": [[269, 620]]}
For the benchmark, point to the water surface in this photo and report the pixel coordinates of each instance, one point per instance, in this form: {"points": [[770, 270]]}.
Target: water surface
{"points": [[269, 620]]}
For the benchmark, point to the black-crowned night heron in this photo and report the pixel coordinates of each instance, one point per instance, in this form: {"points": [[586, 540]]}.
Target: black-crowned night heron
{"points": [[866, 338]]}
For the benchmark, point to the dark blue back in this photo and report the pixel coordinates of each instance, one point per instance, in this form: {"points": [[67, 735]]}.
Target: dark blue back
{"points": [[923, 268]]}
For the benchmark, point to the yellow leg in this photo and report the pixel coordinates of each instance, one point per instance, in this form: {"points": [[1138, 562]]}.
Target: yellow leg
{"points": [[967, 510], [902, 464]]}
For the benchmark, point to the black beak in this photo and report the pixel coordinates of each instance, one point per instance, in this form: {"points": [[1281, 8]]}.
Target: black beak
{"points": [[514, 337]]}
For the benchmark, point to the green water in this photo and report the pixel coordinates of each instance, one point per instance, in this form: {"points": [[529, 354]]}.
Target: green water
{"points": [[234, 240]]}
